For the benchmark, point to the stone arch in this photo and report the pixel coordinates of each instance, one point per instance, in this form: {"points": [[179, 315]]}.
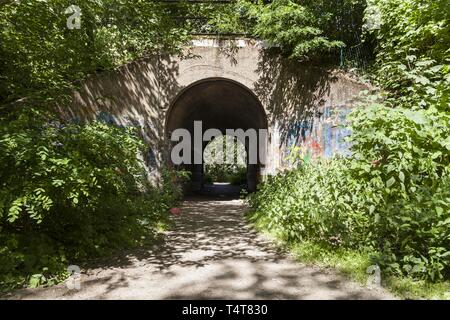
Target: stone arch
{"points": [[218, 103], [305, 105]]}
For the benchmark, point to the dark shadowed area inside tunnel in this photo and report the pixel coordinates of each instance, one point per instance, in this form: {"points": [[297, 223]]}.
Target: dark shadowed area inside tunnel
{"points": [[221, 104]]}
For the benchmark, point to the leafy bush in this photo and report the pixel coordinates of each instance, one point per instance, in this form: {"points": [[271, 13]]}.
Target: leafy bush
{"points": [[40, 56], [225, 161], [292, 26], [412, 53], [302, 29], [234, 174], [405, 155], [68, 192], [392, 196]]}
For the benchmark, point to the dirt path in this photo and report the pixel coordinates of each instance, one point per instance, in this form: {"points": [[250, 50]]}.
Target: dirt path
{"points": [[210, 254]]}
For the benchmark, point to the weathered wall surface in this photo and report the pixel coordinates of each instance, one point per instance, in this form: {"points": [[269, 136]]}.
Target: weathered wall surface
{"points": [[304, 105]]}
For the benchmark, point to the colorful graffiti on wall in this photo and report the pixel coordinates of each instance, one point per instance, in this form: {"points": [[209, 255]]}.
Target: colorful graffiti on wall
{"points": [[321, 136]]}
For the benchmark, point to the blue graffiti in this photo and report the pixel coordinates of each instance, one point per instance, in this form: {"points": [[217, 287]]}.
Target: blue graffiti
{"points": [[298, 131], [150, 160], [107, 118]]}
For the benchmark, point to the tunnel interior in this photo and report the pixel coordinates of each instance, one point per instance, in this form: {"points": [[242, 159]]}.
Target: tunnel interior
{"points": [[219, 104]]}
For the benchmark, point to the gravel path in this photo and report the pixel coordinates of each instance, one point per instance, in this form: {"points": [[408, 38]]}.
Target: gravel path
{"points": [[211, 253]]}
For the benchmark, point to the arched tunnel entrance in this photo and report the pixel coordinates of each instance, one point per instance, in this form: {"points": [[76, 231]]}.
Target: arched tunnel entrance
{"points": [[221, 104]]}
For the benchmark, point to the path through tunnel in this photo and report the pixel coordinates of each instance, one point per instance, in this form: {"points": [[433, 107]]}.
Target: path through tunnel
{"points": [[221, 104]]}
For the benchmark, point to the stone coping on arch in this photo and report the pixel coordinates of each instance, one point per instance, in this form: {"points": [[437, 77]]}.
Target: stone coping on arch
{"points": [[218, 42]]}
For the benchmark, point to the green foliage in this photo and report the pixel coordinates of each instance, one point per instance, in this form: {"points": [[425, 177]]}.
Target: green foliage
{"points": [[311, 203], [292, 26], [236, 175], [412, 26], [49, 163], [71, 191], [412, 55], [225, 161], [392, 196], [40, 54], [405, 156], [302, 29]]}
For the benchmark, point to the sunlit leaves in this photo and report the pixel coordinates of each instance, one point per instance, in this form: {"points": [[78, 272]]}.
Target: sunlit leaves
{"points": [[412, 52], [391, 196], [41, 56], [55, 163], [301, 29]]}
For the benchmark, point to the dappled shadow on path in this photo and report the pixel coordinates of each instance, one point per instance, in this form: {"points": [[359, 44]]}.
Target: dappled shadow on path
{"points": [[210, 253], [215, 229]]}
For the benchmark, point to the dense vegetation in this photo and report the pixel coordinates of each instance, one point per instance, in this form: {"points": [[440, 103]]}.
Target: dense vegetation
{"points": [[303, 30], [40, 56], [70, 191], [225, 161], [391, 198]]}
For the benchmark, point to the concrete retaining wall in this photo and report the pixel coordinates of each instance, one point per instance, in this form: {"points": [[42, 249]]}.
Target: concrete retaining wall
{"points": [[304, 105]]}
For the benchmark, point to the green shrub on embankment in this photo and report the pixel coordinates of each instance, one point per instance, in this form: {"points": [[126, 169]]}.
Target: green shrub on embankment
{"points": [[391, 198], [69, 192]]}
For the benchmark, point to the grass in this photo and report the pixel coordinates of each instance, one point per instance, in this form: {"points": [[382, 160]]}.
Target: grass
{"points": [[354, 264]]}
